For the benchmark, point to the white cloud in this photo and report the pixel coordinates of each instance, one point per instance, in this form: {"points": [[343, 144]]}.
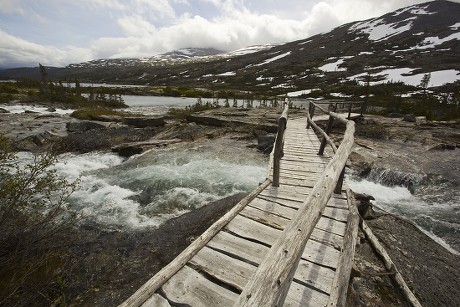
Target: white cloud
{"points": [[14, 50], [142, 28], [12, 7]]}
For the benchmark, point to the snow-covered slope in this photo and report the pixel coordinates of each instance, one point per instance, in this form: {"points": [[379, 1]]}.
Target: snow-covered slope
{"points": [[401, 46]]}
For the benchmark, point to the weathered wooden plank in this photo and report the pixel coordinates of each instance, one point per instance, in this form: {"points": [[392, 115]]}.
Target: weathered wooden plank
{"points": [[299, 194], [316, 252], [156, 300], [278, 217], [190, 288], [229, 270], [307, 272], [339, 287], [264, 217], [285, 208], [389, 265], [301, 296]]}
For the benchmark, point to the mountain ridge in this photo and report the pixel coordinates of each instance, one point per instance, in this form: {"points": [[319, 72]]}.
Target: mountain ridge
{"points": [[400, 46]]}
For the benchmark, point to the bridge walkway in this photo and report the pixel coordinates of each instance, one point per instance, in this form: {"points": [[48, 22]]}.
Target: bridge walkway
{"points": [[216, 273]]}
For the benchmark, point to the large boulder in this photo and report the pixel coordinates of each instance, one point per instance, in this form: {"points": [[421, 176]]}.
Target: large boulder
{"points": [[410, 118], [142, 122], [83, 126], [265, 143]]}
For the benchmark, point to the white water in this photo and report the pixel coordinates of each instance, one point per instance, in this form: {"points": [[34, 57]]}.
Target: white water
{"points": [[431, 212], [149, 189]]}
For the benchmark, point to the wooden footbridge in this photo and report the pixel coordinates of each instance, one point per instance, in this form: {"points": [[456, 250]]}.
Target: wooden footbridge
{"points": [[288, 243]]}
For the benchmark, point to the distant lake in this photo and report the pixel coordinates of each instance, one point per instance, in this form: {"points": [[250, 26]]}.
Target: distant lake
{"points": [[155, 105]]}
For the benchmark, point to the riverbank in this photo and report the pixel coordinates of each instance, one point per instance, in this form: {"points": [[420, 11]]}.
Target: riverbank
{"points": [[109, 264]]}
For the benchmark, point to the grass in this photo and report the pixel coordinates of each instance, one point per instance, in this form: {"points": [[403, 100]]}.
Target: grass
{"points": [[90, 113]]}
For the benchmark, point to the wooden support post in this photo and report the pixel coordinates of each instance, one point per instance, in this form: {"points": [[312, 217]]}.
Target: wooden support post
{"points": [[349, 109], [338, 187], [389, 265], [330, 122], [311, 112], [338, 295], [278, 152]]}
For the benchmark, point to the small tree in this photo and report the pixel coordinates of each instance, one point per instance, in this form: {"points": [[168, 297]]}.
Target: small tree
{"points": [[33, 217], [44, 79]]}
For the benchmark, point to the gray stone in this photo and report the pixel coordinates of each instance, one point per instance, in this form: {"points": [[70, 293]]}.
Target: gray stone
{"points": [[4, 111], [142, 122], [410, 118], [83, 126]]}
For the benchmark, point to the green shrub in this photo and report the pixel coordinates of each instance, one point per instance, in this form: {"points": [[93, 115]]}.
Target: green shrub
{"points": [[33, 220], [93, 113]]}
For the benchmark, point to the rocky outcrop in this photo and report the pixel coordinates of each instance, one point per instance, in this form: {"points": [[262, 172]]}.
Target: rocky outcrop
{"points": [[135, 148], [143, 122], [83, 126]]}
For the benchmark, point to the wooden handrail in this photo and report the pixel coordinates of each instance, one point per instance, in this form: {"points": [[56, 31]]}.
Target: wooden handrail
{"points": [[272, 279], [279, 145]]}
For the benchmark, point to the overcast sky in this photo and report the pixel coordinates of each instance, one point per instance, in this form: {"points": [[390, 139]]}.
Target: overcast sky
{"points": [[60, 32]]}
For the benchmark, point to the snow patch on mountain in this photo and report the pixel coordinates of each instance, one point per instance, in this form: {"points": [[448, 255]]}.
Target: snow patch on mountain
{"points": [[379, 29], [432, 42], [274, 58], [405, 75]]}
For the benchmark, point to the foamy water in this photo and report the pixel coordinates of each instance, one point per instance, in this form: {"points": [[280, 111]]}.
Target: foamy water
{"points": [[149, 189], [435, 215], [16, 109]]}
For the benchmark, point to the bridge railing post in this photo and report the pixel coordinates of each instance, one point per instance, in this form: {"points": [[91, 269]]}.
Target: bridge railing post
{"points": [[338, 187], [311, 112], [330, 122], [278, 151], [349, 109]]}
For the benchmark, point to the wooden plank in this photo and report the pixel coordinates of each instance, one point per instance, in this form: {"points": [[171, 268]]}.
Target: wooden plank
{"points": [[316, 252], [389, 265], [156, 300], [278, 216], [190, 288], [301, 296], [327, 231], [338, 294], [299, 194], [284, 208], [229, 270], [307, 272]]}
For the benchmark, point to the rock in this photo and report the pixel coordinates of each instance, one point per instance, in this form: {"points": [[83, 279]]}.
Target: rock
{"points": [[4, 111], [108, 118], [36, 142], [420, 119], [30, 112], [360, 164], [142, 122], [135, 148], [51, 109], [395, 115], [442, 146], [83, 126], [410, 118], [128, 151], [265, 143]]}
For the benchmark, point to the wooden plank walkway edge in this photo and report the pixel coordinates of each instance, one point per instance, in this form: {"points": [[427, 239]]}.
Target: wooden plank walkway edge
{"points": [[154, 283]]}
